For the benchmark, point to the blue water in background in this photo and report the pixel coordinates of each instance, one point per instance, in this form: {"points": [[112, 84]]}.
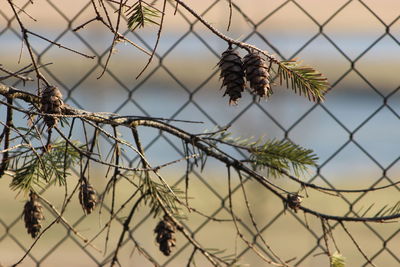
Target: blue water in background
{"points": [[319, 130], [375, 129]]}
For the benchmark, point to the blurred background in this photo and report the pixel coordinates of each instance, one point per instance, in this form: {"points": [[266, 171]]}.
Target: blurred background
{"points": [[355, 132]]}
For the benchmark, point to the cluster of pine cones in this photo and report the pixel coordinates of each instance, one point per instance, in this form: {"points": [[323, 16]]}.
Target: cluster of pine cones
{"points": [[234, 70]]}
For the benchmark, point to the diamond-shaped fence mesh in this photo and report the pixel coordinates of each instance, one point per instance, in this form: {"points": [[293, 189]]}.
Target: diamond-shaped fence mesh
{"points": [[355, 132]]}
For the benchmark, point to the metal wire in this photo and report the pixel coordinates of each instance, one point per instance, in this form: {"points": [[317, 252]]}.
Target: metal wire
{"points": [[191, 94]]}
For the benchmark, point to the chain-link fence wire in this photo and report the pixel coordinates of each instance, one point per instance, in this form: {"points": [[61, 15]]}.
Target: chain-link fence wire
{"points": [[356, 137]]}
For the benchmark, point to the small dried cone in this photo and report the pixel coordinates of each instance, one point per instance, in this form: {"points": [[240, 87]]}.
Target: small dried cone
{"points": [[165, 231], [294, 201], [33, 215], [257, 74], [232, 74], [87, 198], [51, 104]]}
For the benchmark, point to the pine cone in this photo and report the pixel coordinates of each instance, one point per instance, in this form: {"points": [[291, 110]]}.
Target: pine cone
{"points": [[294, 201], [232, 73], [51, 104], [87, 198], [33, 215], [257, 74], [165, 231]]}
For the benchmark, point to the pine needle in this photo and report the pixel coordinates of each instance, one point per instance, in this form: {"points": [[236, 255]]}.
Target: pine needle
{"points": [[303, 80]]}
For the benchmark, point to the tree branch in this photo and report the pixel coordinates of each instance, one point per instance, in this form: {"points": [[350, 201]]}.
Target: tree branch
{"points": [[195, 140]]}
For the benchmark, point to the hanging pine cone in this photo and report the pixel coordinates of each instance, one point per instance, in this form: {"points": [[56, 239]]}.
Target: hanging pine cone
{"points": [[87, 197], [51, 104], [294, 201], [257, 74], [33, 215], [165, 231], [232, 73]]}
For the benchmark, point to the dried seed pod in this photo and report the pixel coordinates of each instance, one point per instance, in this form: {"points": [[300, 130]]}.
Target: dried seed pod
{"points": [[257, 74], [87, 197], [52, 103], [293, 201], [232, 74], [33, 215], [165, 231]]}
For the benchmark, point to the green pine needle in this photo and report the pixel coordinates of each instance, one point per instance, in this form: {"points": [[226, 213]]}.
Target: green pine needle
{"points": [[277, 155], [155, 192], [273, 155], [47, 168], [337, 260], [140, 14], [303, 80], [388, 210]]}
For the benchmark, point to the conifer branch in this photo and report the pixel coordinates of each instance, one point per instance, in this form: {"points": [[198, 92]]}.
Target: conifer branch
{"points": [[140, 14], [200, 143], [278, 155], [303, 80], [32, 170]]}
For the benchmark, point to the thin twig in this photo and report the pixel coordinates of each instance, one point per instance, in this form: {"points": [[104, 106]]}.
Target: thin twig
{"points": [[222, 36], [16, 75], [325, 236], [126, 229], [27, 252], [254, 221], [14, 147], [356, 244], [230, 15], [6, 133], [113, 182], [114, 40], [28, 45], [240, 234], [144, 252], [59, 45], [23, 11], [66, 223], [176, 8], [191, 258], [120, 36], [66, 200], [113, 217], [331, 235], [157, 41], [84, 24]]}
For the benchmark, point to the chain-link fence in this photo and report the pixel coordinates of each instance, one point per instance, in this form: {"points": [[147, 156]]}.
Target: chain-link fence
{"points": [[355, 132]]}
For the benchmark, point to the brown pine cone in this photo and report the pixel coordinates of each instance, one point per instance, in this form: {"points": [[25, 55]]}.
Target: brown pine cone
{"points": [[52, 103], [165, 231], [232, 73], [293, 201], [257, 74], [33, 215], [87, 197]]}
